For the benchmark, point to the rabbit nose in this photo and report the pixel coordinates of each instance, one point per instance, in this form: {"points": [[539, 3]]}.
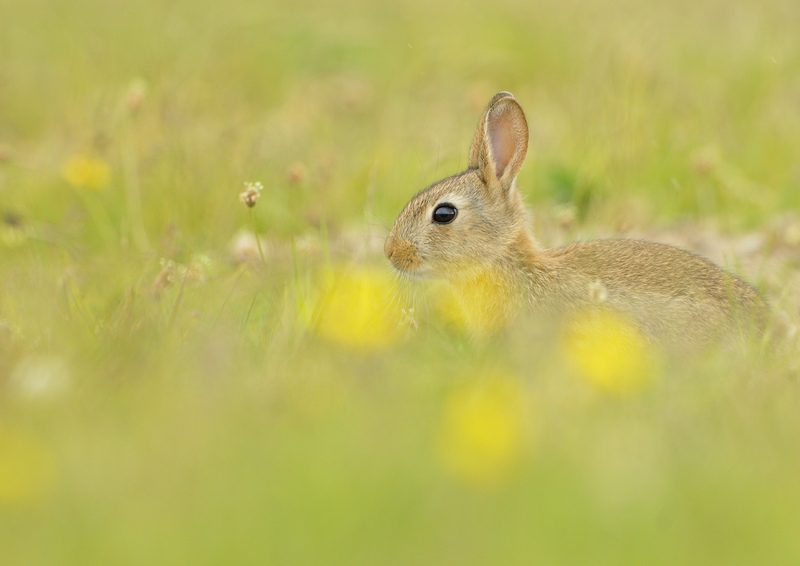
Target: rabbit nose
{"points": [[401, 253], [390, 247]]}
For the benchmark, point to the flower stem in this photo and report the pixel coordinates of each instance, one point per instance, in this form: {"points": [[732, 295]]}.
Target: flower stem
{"points": [[258, 240]]}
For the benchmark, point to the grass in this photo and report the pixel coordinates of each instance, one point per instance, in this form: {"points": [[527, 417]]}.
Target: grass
{"points": [[171, 394]]}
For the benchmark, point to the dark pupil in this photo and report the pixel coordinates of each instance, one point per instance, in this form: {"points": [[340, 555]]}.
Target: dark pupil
{"points": [[444, 214]]}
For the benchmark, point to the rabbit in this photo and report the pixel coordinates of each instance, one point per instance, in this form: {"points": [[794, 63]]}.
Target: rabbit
{"points": [[472, 230]]}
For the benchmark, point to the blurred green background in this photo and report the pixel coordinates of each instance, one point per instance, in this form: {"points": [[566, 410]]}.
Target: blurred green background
{"points": [[172, 394]]}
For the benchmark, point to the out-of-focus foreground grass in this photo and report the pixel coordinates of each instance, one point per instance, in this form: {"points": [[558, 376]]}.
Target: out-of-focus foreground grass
{"points": [[170, 394]]}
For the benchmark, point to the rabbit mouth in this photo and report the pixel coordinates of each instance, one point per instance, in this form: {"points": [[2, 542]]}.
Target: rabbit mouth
{"points": [[408, 269], [417, 273]]}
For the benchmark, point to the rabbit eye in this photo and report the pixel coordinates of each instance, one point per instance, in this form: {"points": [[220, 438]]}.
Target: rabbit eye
{"points": [[444, 213]]}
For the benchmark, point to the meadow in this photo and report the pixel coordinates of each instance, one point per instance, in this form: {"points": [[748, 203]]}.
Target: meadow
{"points": [[186, 380]]}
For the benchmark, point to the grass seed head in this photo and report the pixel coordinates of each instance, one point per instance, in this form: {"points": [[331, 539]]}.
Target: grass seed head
{"points": [[251, 193]]}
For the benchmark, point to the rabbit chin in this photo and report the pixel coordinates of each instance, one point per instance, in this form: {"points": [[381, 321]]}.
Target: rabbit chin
{"points": [[453, 273], [419, 273]]}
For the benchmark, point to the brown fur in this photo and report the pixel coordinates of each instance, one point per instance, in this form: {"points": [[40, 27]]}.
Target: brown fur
{"points": [[674, 296]]}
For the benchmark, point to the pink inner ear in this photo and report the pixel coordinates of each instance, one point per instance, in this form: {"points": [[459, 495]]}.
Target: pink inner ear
{"points": [[500, 130]]}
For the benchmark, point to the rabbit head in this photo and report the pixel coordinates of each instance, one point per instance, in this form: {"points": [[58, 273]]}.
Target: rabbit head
{"points": [[474, 220]]}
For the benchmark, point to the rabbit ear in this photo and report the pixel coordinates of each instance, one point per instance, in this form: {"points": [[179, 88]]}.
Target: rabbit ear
{"points": [[501, 141]]}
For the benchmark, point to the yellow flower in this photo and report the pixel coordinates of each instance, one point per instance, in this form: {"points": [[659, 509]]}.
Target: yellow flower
{"points": [[482, 430], [27, 468], [608, 350], [481, 305], [357, 309], [85, 172]]}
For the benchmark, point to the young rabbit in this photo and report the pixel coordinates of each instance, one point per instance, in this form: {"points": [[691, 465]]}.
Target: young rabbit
{"points": [[472, 230]]}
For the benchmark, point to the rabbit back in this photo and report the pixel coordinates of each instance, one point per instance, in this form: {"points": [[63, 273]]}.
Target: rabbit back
{"points": [[673, 295]]}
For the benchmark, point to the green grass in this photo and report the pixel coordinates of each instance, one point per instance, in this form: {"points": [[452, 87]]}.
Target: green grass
{"points": [[164, 402]]}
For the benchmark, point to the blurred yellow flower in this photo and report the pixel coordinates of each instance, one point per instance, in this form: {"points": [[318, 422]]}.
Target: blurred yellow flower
{"points": [[86, 172], [609, 351], [482, 305], [357, 309], [482, 430], [27, 468]]}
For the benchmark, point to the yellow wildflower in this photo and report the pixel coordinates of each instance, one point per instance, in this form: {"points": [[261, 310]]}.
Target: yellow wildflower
{"points": [[85, 172], [481, 305], [608, 350], [27, 468], [482, 430], [357, 309]]}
